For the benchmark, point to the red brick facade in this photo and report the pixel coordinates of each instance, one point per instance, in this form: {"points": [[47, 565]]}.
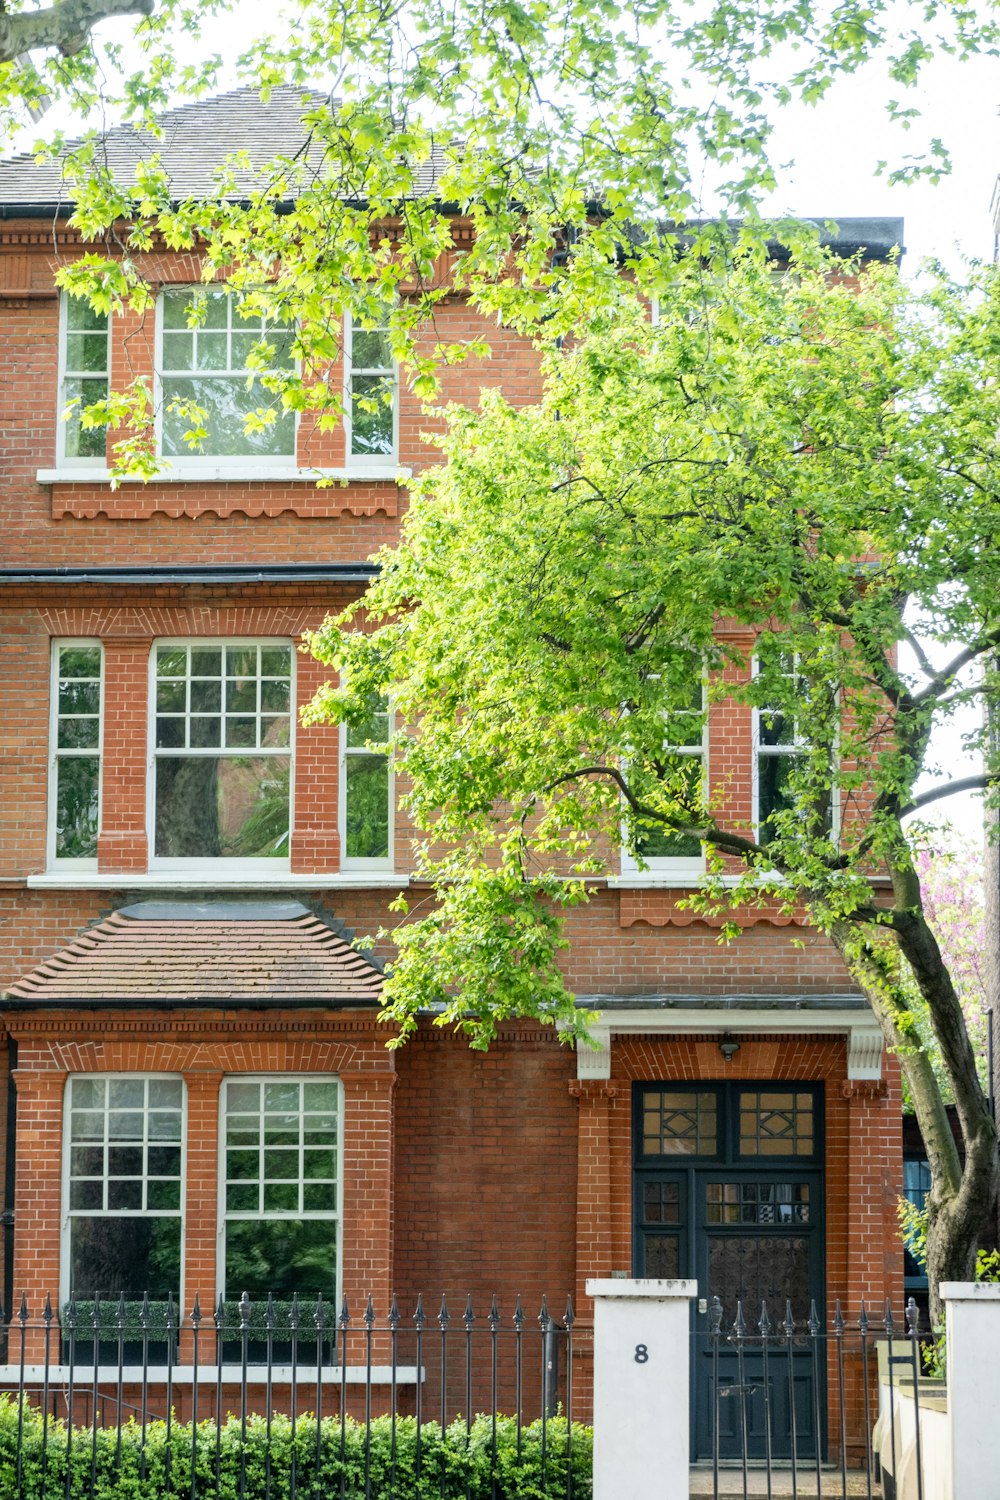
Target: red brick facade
{"points": [[461, 1172]]}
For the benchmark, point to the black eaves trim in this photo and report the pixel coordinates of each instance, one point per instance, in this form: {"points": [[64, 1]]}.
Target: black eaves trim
{"points": [[229, 573]]}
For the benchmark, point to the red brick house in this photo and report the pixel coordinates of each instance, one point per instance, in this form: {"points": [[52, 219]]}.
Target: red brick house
{"points": [[199, 1097]]}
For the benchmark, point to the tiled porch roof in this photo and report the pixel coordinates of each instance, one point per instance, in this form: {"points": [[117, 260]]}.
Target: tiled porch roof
{"points": [[253, 953]]}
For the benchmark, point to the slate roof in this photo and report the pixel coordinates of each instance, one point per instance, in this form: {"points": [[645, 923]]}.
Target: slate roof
{"points": [[253, 953], [196, 138]]}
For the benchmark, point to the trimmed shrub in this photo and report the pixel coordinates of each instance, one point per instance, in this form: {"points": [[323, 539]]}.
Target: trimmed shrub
{"points": [[454, 1464]]}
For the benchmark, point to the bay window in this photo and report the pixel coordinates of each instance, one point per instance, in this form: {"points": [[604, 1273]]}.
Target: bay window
{"points": [[124, 1143], [280, 1186]]}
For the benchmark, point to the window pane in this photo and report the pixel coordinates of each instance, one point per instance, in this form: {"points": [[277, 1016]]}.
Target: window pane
{"points": [[77, 779], [281, 1256], [679, 1122], [87, 353], [171, 661], [276, 661], [131, 1254], [242, 1096], [225, 403], [178, 351], [126, 1093], [87, 1093], [78, 734], [372, 729], [79, 392], [80, 316], [370, 349], [663, 843], [320, 1096], [775, 1123], [79, 661], [773, 790], [371, 414], [210, 806], [367, 812]]}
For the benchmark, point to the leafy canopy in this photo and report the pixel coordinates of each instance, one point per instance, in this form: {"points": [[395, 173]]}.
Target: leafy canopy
{"points": [[786, 479], [520, 117]]}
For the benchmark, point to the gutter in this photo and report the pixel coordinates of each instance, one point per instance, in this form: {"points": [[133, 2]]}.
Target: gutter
{"points": [[226, 573]]}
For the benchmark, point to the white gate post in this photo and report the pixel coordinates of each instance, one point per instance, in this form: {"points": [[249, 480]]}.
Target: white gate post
{"points": [[642, 1376], [972, 1326]]}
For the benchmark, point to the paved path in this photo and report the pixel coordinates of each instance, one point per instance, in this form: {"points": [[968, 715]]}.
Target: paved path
{"points": [[731, 1484]]}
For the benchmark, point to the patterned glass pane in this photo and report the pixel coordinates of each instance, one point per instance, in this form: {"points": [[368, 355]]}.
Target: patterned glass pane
{"points": [[757, 1203], [679, 1122], [760, 1268], [662, 1255], [661, 1203], [776, 1123]]}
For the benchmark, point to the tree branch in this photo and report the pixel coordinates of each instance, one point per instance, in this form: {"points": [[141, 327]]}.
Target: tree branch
{"points": [[964, 784], [942, 680], [65, 25]]}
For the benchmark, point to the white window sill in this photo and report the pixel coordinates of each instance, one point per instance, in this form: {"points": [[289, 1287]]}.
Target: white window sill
{"points": [[56, 880], [305, 1374], [230, 473]]}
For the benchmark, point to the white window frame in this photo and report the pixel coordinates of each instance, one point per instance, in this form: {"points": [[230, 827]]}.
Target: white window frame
{"points": [[337, 1219], [225, 866], [66, 1214], [796, 748], [66, 460], [675, 866], [364, 461], [388, 862], [55, 755], [194, 460]]}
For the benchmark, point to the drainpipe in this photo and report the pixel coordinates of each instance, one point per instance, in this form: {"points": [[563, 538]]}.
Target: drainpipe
{"points": [[7, 1216]]}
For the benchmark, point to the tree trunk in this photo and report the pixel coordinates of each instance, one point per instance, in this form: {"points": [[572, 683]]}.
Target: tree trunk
{"points": [[962, 1193]]}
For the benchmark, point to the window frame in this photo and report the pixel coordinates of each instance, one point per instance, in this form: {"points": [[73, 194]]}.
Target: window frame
{"points": [[796, 748], [250, 868], [66, 460], [679, 866], [194, 460], [388, 861], [67, 1214], [363, 461], [52, 862], [245, 1216]]}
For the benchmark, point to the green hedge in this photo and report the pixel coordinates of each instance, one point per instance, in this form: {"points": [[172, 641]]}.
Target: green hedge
{"points": [[453, 1466]]}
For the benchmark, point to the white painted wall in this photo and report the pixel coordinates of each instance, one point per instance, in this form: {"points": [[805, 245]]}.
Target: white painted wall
{"points": [[972, 1324]]}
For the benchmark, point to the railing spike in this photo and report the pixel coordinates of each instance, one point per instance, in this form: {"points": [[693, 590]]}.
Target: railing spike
{"points": [[97, 1311], [889, 1324], [444, 1318], [345, 1316], [120, 1314], [420, 1317], [244, 1312], [863, 1319], [764, 1322], [219, 1316], [369, 1314], [468, 1317], [319, 1315], [270, 1322], [739, 1322], [145, 1314], [543, 1316], [171, 1318], [71, 1313], [518, 1314], [789, 1320], [394, 1313], [22, 1312], [48, 1314], [196, 1312], [293, 1313], [494, 1315], [838, 1320], [814, 1323], [716, 1317], [568, 1315]]}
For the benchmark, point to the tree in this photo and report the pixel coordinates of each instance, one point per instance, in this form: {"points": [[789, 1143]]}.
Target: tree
{"points": [[785, 484]]}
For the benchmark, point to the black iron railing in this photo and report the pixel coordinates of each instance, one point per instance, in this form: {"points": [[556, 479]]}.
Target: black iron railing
{"points": [[788, 1406], [291, 1400]]}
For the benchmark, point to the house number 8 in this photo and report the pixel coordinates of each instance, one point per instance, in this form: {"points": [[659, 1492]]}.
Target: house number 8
{"points": [[641, 1355]]}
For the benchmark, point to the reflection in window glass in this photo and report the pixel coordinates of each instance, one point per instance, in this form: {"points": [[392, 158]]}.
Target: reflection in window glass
{"points": [[77, 750], [372, 391], [85, 377], [222, 740], [683, 757], [281, 1185], [124, 1186], [679, 1122], [367, 786], [220, 365]]}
